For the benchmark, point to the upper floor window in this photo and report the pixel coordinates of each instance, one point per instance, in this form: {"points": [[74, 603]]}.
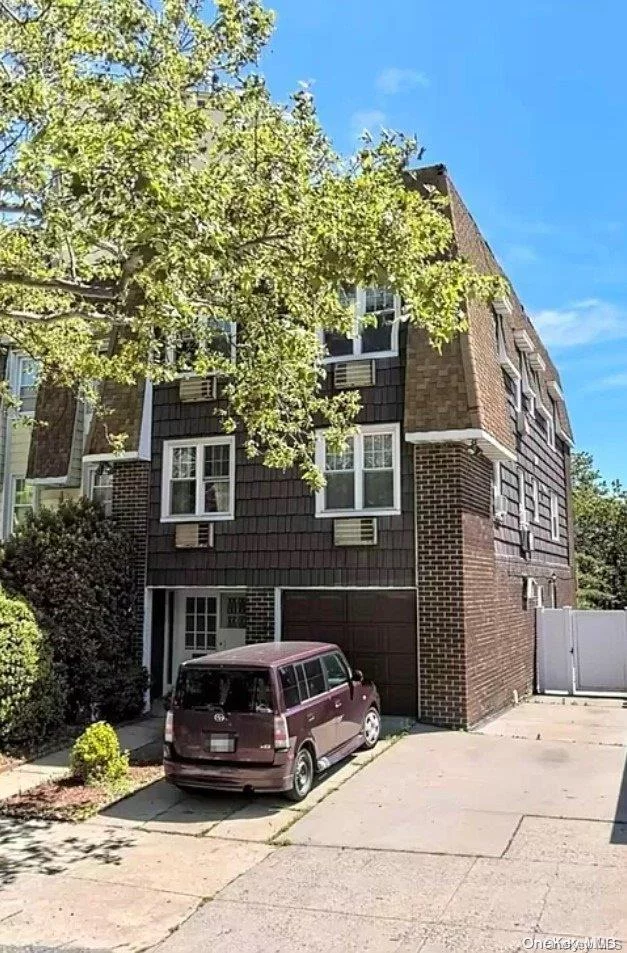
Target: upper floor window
{"points": [[377, 335], [24, 501], [100, 486], [26, 382], [198, 479], [185, 349], [364, 477], [555, 517]]}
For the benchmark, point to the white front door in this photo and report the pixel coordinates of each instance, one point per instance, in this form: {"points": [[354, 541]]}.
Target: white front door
{"points": [[206, 620]]}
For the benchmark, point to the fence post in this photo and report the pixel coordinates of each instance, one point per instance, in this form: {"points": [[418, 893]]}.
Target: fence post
{"points": [[571, 648]]}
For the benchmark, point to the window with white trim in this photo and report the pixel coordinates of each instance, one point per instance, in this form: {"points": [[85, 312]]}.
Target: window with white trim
{"points": [[26, 382], [23, 501], [550, 424], [100, 486], [186, 348], [364, 476], [555, 517], [528, 383], [198, 479], [535, 497], [522, 502], [375, 333], [200, 623]]}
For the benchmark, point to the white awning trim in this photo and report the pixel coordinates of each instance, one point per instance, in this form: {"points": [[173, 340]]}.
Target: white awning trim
{"points": [[489, 445]]}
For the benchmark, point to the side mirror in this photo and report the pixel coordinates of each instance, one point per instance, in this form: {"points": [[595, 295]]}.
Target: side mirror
{"points": [[358, 675]]}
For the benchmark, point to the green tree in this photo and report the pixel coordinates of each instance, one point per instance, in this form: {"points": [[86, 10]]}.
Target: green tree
{"points": [[600, 512], [150, 186]]}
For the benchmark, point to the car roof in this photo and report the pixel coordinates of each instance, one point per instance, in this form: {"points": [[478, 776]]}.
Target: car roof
{"points": [[267, 654]]}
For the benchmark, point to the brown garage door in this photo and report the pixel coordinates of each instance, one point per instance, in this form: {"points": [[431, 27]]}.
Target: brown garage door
{"points": [[375, 628]]}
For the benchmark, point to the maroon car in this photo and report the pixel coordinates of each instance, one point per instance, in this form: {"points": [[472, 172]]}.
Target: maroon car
{"points": [[267, 717]]}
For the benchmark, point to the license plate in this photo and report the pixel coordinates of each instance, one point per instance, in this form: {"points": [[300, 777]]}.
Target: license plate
{"points": [[221, 744]]}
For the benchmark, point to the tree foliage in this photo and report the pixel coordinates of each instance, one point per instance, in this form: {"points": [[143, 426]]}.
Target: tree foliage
{"points": [[151, 185], [74, 567], [600, 512], [31, 693]]}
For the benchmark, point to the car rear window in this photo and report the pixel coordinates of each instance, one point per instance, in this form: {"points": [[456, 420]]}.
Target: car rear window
{"points": [[229, 690]]}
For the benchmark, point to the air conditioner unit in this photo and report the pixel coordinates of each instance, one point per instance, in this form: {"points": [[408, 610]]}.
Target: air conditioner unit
{"points": [[500, 507], [527, 542], [360, 531], [193, 536], [348, 374], [522, 422], [193, 389]]}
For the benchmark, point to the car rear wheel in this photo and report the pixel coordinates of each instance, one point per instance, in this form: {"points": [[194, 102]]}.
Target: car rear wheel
{"points": [[303, 776], [371, 728]]}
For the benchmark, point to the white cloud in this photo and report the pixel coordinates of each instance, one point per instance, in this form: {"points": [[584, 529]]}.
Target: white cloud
{"points": [[370, 119], [583, 322], [393, 80]]}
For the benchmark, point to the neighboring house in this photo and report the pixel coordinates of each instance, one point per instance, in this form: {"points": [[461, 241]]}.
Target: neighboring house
{"points": [[442, 526]]}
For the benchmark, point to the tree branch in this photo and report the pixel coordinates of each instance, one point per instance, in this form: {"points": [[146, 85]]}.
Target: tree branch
{"points": [[30, 317], [87, 292]]}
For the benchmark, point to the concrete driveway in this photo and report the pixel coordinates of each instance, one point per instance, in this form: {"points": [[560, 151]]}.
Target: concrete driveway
{"points": [[496, 840], [451, 841]]}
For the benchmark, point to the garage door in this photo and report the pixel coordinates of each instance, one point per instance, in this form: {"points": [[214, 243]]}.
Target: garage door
{"points": [[376, 629]]}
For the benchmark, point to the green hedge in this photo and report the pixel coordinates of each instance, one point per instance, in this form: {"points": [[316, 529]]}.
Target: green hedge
{"points": [[32, 695], [74, 567]]}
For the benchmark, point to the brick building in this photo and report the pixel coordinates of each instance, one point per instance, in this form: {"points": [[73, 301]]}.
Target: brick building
{"points": [[445, 522]]}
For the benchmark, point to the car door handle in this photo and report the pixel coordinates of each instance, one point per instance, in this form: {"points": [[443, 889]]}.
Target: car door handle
{"points": [[338, 704], [311, 717]]}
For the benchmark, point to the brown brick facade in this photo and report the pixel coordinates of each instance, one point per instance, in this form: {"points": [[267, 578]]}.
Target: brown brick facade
{"points": [[131, 485], [260, 615], [476, 634]]}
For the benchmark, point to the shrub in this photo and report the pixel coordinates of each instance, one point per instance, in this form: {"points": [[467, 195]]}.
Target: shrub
{"points": [[32, 695], [74, 566], [96, 757]]}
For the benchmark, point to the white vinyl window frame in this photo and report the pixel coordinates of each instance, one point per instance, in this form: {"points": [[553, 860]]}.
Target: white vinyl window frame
{"points": [[555, 517], [171, 353], [358, 472], [522, 501], [357, 353], [526, 384], [198, 516], [32, 506], [508, 365], [91, 474], [535, 496]]}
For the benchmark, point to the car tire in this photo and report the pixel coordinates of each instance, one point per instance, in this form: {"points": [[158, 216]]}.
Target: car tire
{"points": [[303, 776], [371, 728]]}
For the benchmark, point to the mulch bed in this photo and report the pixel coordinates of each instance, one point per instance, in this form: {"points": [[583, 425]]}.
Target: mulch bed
{"points": [[66, 799]]}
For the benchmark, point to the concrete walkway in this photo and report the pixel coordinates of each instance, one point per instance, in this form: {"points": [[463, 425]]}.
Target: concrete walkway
{"points": [[54, 765]]}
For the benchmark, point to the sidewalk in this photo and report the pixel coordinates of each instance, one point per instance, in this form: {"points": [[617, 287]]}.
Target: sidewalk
{"points": [[55, 764]]}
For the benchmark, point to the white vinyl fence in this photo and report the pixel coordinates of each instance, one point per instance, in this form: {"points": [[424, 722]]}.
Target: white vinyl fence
{"points": [[582, 651]]}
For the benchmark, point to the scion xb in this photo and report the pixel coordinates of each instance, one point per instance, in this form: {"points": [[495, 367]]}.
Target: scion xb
{"points": [[267, 717]]}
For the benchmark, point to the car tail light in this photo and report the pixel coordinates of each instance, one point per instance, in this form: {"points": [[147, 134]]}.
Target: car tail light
{"points": [[281, 736], [168, 735]]}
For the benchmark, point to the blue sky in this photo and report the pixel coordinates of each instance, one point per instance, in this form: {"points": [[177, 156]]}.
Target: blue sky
{"points": [[526, 103]]}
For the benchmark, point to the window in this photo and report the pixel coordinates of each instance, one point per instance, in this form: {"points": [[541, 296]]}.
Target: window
{"points": [[314, 677], [552, 598], [198, 479], [100, 486], [24, 501], [337, 673], [550, 422], [235, 690], [200, 623], [302, 681], [220, 338], [363, 477], [289, 683], [234, 612], [555, 517], [522, 501], [28, 377], [527, 383], [375, 336], [535, 497]]}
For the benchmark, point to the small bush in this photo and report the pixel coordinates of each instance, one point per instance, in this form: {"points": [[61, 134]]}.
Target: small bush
{"points": [[96, 757], [32, 696]]}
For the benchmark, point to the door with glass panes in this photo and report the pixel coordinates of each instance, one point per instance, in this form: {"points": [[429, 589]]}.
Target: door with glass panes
{"points": [[207, 621]]}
